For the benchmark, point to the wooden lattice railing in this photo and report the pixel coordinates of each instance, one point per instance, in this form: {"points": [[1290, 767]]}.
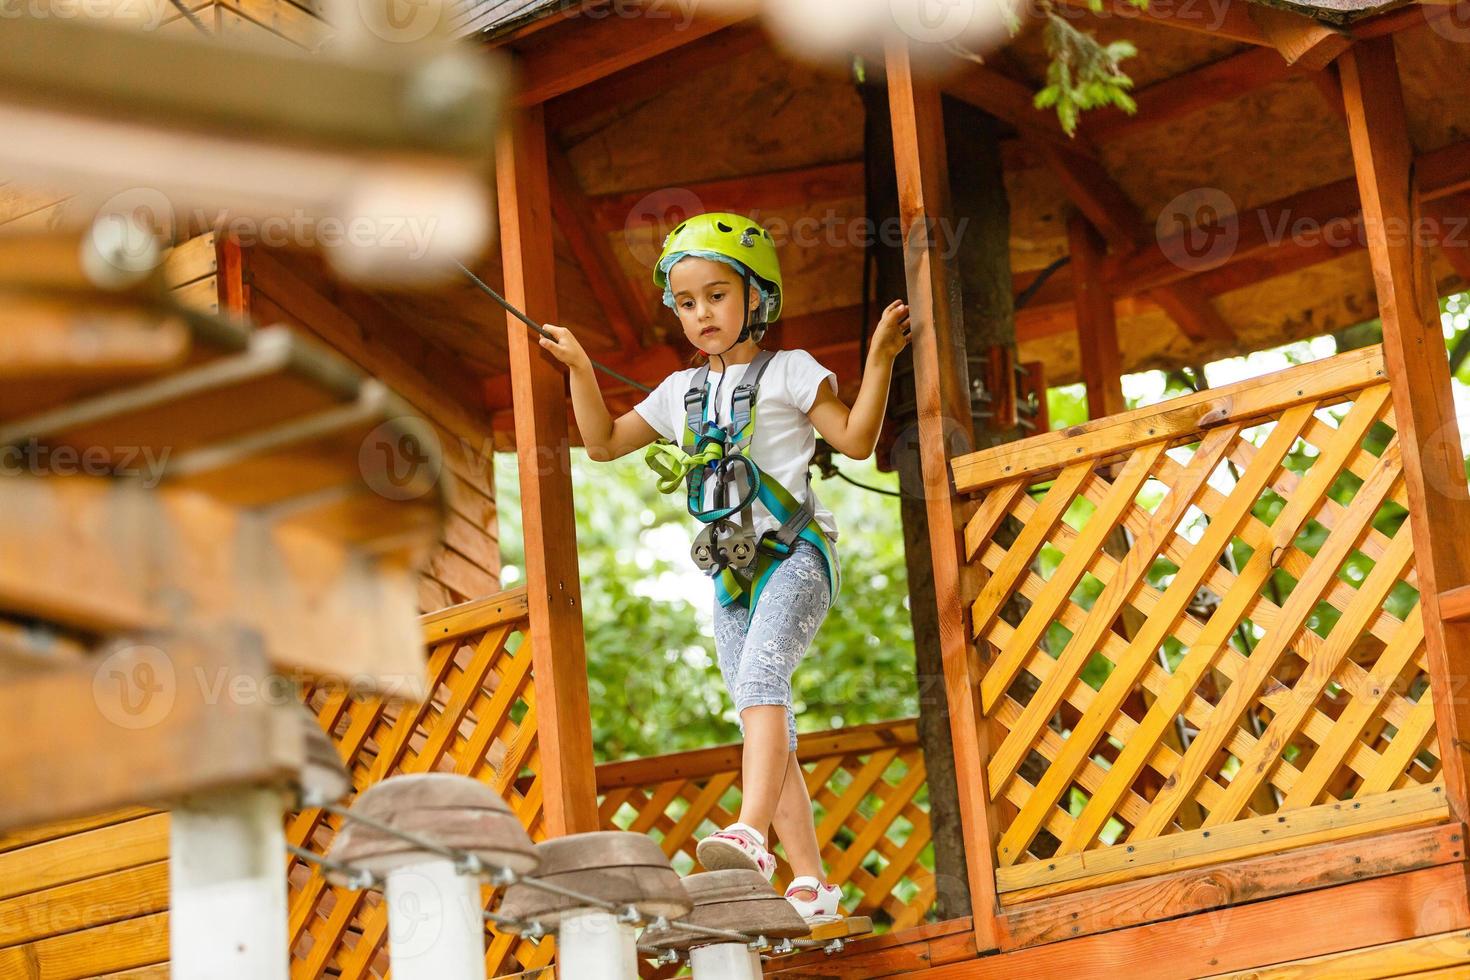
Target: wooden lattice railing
{"points": [[479, 719], [867, 785], [1203, 632]]}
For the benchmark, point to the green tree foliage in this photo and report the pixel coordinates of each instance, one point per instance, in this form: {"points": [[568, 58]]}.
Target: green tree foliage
{"points": [[1083, 73], [651, 668]]}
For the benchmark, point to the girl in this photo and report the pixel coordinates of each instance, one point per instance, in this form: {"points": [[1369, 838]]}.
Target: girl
{"points": [[720, 275]]}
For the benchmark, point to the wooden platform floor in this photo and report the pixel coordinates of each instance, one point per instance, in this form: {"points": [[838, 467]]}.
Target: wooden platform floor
{"points": [[1415, 924]]}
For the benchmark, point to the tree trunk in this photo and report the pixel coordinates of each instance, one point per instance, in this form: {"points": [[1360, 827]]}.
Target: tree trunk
{"points": [[981, 229]]}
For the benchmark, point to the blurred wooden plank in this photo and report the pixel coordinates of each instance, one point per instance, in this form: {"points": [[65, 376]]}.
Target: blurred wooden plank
{"points": [[150, 728], [138, 559], [191, 81]]}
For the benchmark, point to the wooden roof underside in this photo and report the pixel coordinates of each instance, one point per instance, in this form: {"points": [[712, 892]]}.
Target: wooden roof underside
{"points": [[642, 115]]}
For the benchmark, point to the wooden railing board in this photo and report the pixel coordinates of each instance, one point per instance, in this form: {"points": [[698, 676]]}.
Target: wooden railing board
{"points": [[1246, 880], [1239, 839], [1244, 402], [1309, 712]]}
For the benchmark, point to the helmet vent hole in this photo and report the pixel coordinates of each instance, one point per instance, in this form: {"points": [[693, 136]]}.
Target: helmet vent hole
{"points": [[723, 227], [681, 227]]}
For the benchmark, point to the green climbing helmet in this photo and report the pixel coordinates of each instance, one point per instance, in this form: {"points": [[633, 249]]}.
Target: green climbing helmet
{"points": [[733, 236]]}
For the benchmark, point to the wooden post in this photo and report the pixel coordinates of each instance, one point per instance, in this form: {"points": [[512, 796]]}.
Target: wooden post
{"points": [[941, 389], [1097, 327], [1418, 370], [549, 525]]}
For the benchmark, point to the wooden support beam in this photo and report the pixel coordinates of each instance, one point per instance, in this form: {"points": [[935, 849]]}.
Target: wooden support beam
{"points": [[1452, 225], [945, 429], [1108, 208], [1097, 328], [589, 244], [1174, 98], [1230, 19], [1328, 209], [1191, 310], [1012, 102], [1104, 204], [1454, 605], [1331, 88], [650, 78], [559, 661], [1418, 370], [765, 192], [584, 50], [1301, 40]]}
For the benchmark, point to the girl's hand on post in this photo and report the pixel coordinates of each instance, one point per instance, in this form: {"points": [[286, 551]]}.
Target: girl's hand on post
{"points": [[892, 334], [565, 347]]}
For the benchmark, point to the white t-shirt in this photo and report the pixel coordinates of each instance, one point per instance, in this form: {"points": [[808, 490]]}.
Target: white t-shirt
{"points": [[784, 439]]}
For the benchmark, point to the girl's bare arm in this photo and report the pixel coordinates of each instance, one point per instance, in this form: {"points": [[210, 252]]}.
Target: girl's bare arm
{"points": [[604, 437], [854, 431]]}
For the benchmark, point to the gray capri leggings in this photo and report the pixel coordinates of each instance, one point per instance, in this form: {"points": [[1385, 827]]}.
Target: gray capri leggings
{"points": [[758, 654]]}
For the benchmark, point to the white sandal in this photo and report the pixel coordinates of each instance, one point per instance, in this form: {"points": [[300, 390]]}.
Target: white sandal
{"points": [[737, 846], [816, 911]]}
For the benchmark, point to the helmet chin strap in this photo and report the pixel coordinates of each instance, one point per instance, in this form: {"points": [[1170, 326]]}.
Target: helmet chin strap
{"points": [[745, 326]]}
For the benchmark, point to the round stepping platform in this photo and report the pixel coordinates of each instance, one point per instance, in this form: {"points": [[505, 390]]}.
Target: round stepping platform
{"points": [[455, 811], [614, 865], [743, 901]]}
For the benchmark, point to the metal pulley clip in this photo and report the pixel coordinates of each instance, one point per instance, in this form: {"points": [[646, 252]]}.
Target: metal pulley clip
{"points": [[721, 544]]}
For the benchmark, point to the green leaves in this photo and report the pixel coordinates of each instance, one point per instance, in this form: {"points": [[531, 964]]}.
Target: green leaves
{"points": [[651, 669], [1083, 73]]}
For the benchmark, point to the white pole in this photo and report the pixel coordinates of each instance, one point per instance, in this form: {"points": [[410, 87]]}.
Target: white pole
{"points": [[436, 923], [725, 961], [592, 943], [227, 885]]}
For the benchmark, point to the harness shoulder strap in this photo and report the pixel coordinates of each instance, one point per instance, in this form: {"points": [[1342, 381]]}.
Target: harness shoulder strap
{"points": [[694, 400], [742, 402]]}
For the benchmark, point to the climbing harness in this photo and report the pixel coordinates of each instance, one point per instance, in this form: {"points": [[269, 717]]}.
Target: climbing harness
{"points": [[718, 457], [714, 461]]}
